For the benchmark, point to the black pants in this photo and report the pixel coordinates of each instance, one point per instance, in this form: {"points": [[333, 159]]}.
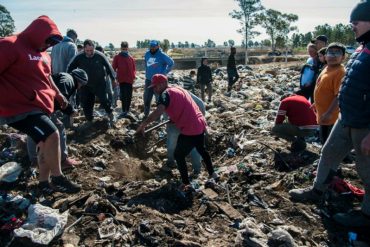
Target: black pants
{"points": [[232, 76], [125, 96], [184, 145], [39, 127], [88, 101], [325, 132]]}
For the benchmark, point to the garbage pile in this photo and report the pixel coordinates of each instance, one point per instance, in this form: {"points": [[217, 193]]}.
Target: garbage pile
{"points": [[129, 199]]}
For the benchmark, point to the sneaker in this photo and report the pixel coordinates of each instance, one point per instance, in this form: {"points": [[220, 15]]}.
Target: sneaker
{"points": [[44, 188], [70, 164], [354, 218], [309, 194], [62, 184]]}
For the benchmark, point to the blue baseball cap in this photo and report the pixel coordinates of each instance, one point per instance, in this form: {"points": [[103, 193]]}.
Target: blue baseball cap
{"points": [[154, 43]]}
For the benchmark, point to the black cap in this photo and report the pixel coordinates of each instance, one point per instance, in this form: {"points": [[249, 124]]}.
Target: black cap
{"points": [[80, 75], [361, 12], [322, 38]]}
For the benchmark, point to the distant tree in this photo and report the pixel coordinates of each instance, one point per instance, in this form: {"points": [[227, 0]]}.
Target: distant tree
{"points": [[6, 22], [165, 44], [249, 9], [297, 40], [172, 45], [250, 43], [111, 47], [338, 33], [186, 45], [225, 43], [142, 43], [256, 44], [307, 38], [231, 42], [280, 41], [210, 43], [266, 42], [277, 24]]}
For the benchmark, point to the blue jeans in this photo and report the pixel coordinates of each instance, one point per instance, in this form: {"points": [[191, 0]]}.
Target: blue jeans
{"points": [[172, 135]]}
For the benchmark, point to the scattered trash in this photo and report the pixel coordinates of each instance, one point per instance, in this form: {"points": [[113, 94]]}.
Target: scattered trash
{"points": [[230, 152], [10, 171], [42, 225]]}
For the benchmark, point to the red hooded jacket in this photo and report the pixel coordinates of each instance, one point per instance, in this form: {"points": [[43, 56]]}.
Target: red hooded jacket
{"points": [[124, 65], [24, 70]]}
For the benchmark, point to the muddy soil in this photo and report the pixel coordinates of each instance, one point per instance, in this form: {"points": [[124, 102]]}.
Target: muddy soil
{"points": [[127, 185]]}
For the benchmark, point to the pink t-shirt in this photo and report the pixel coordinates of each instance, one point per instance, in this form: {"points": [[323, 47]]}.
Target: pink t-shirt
{"points": [[184, 112]]}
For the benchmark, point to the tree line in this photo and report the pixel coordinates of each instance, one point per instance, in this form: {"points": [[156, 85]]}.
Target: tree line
{"points": [[250, 14]]}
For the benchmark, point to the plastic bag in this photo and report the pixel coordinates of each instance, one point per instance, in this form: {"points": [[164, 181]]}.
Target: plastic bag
{"points": [[10, 171], [43, 224]]}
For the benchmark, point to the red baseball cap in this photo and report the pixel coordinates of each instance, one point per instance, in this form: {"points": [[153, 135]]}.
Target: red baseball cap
{"points": [[158, 79]]}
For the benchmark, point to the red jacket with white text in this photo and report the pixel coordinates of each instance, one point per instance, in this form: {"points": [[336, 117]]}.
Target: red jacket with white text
{"points": [[25, 70]]}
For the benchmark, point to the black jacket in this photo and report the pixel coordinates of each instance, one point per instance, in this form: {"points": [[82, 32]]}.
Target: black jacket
{"points": [[204, 75], [96, 67], [231, 64]]}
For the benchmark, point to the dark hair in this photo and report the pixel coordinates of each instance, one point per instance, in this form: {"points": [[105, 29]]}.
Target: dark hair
{"points": [[99, 48], [338, 46], [79, 46], [322, 51], [71, 33], [192, 72], [287, 95], [88, 42], [124, 44]]}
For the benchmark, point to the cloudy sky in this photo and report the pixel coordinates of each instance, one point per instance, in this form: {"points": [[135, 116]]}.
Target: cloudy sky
{"points": [[112, 21]]}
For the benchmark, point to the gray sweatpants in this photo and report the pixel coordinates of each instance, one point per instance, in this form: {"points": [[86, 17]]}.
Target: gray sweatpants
{"points": [[340, 142]]}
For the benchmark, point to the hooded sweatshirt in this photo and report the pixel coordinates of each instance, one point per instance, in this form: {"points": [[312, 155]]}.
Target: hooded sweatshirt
{"points": [[124, 65], [25, 70], [62, 54], [157, 63]]}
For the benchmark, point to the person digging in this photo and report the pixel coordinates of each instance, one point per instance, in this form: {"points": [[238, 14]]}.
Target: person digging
{"points": [[185, 114]]}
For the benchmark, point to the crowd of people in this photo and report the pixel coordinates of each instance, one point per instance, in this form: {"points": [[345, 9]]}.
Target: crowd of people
{"points": [[39, 96]]}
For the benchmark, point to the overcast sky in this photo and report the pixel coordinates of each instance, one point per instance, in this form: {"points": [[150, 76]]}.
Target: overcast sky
{"points": [[112, 21]]}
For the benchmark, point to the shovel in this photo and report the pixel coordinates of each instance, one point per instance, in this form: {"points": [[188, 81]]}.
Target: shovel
{"points": [[156, 126]]}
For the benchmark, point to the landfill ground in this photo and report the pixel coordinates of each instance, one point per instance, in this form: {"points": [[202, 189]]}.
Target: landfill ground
{"points": [[130, 198]]}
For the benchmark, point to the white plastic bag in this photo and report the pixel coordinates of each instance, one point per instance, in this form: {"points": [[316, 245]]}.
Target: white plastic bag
{"points": [[43, 224], [10, 171]]}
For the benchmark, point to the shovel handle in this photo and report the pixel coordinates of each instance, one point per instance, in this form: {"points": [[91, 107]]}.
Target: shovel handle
{"points": [[156, 126]]}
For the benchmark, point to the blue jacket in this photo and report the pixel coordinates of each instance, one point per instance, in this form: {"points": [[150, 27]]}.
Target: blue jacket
{"points": [[354, 95], [157, 63]]}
